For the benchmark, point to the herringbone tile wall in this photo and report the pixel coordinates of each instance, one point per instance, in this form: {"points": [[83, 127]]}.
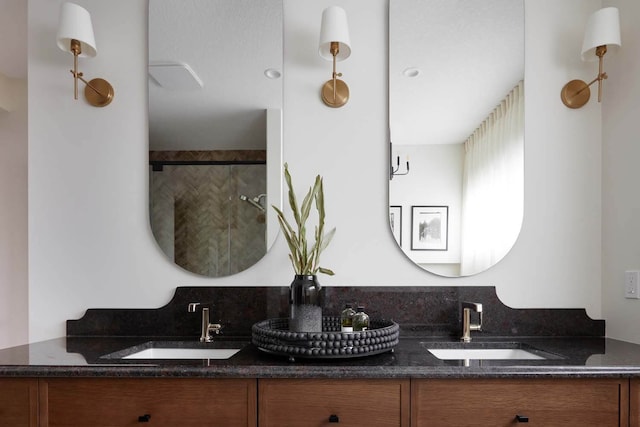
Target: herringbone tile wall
{"points": [[200, 222]]}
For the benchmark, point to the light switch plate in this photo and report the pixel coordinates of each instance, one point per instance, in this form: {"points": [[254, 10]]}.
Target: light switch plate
{"points": [[631, 284]]}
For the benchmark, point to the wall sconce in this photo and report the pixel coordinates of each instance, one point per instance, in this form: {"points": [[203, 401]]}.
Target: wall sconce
{"points": [[335, 45], [395, 171], [75, 35], [601, 35]]}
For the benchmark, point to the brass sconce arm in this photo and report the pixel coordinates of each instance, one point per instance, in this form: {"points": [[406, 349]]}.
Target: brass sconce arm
{"points": [[335, 49], [600, 51], [576, 93], [100, 93], [76, 49], [102, 89], [335, 92]]}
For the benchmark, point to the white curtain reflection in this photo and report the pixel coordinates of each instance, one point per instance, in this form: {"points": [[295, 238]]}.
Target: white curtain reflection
{"points": [[493, 185]]}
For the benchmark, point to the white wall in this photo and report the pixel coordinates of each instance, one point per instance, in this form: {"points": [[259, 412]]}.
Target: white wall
{"points": [[14, 309], [435, 178], [621, 176], [90, 243]]}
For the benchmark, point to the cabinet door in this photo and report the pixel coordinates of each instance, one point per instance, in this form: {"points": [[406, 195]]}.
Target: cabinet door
{"points": [[107, 402], [316, 403], [547, 402], [634, 405], [18, 402]]}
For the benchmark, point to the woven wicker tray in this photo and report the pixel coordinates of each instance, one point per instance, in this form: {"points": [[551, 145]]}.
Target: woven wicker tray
{"points": [[273, 336]]}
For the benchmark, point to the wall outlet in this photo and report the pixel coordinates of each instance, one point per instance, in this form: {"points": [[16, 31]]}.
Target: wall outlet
{"points": [[632, 284]]}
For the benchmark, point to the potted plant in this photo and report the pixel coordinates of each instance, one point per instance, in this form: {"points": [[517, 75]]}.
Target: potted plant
{"points": [[305, 298]]}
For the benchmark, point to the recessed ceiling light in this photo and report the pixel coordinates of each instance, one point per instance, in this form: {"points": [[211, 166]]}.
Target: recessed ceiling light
{"points": [[411, 72], [272, 73]]}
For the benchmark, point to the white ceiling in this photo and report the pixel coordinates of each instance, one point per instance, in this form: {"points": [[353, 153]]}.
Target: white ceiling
{"points": [[470, 54], [229, 45], [13, 49]]}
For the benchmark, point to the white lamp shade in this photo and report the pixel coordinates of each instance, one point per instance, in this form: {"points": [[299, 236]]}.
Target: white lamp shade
{"points": [[603, 28], [75, 23], [334, 28]]}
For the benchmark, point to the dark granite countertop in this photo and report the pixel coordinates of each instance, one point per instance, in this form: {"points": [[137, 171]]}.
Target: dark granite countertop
{"points": [[95, 342], [85, 357]]}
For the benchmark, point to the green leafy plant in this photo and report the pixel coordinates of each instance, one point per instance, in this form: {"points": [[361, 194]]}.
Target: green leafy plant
{"points": [[304, 257]]}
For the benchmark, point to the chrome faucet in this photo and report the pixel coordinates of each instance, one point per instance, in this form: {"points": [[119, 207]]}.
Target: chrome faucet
{"points": [[207, 328], [467, 326]]}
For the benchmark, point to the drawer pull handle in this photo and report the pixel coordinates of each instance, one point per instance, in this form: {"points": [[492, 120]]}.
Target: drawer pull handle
{"points": [[144, 418], [333, 418], [522, 419]]}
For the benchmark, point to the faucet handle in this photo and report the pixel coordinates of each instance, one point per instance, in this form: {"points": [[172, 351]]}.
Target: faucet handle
{"points": [[214, 327], [192, 307], [475, 306]]}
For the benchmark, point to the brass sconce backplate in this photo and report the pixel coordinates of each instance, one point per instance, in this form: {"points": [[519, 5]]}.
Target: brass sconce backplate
{"points": [[340, 97], [98, 92], [575, 94]]}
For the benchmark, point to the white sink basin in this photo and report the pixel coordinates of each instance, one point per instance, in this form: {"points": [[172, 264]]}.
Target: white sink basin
{"points": [[483, 354], [184, 353]]}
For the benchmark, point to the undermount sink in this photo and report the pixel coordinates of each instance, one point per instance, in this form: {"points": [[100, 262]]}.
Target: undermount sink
{"points": [[184, 353], [486, 351], [179, 350], [483, 354]]}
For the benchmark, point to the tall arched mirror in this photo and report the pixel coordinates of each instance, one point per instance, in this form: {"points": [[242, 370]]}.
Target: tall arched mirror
{"points": [[456, 94], [215, 131]]}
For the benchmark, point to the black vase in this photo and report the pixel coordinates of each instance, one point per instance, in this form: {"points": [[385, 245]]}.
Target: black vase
{"points": [[305, 304]]}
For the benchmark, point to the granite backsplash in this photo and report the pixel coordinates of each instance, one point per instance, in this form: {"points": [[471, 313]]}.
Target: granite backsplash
{"points": [[419, 310]]}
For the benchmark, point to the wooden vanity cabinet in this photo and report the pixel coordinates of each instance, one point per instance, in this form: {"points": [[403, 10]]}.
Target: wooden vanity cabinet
{"points": [[539, 402], [18, 402], [102, 402], [341, 402], [168, 402], [634, 404]]}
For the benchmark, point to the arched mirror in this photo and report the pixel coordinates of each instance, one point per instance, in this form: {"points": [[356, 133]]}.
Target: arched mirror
{"points": [[456, 83], [215, 131]]}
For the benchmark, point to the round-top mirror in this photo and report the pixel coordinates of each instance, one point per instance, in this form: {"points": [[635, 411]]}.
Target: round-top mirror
{"points": [[215, 131], [456, 82]]}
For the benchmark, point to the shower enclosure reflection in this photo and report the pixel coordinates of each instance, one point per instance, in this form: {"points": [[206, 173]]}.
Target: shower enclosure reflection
{"points": [[215, 131], [203, 219]]}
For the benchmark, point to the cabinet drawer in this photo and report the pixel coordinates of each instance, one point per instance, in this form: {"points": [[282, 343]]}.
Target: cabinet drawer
{"points": [[18, 402], [312, 402], [99, 402], [547, 402]]}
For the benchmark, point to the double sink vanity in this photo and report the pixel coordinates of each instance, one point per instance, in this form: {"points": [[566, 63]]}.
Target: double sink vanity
{"points": [[126, 366]]}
